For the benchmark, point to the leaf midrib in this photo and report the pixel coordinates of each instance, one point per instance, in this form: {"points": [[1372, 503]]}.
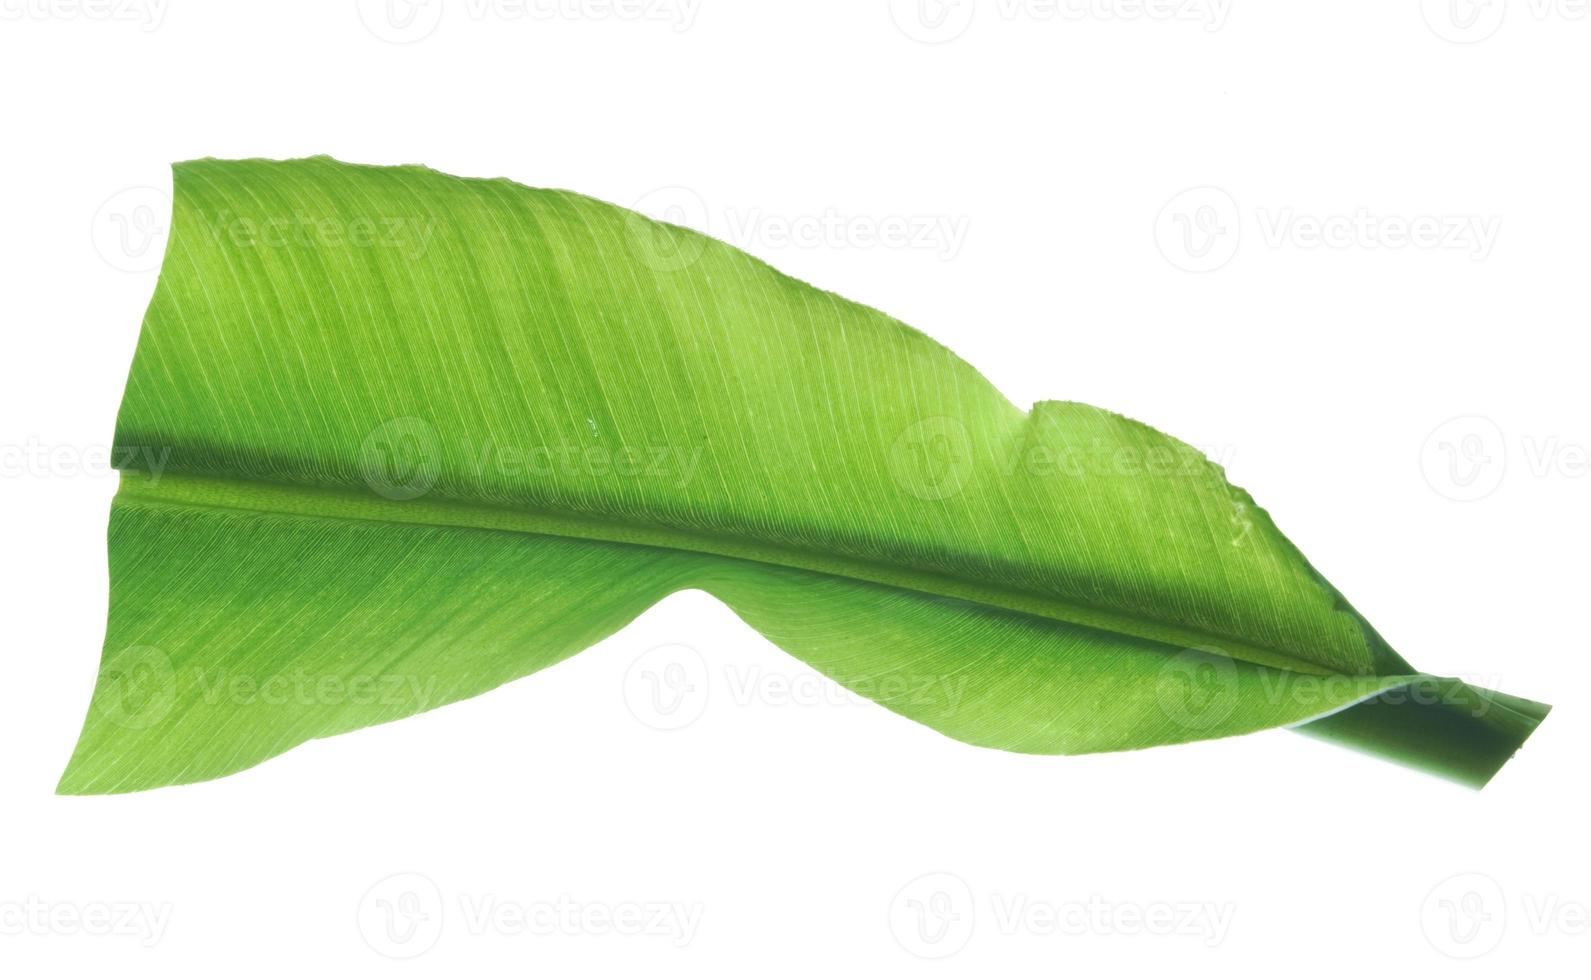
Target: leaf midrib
{"points": [[258, 496]]}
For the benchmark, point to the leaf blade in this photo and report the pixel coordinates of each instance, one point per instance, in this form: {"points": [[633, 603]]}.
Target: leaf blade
{"points": [[411, 350]]}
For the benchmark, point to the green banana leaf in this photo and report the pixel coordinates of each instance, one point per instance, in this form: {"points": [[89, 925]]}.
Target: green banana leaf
{"points": [[392, 438]]}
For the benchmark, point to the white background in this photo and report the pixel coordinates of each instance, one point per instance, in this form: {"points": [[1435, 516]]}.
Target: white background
{"points": [[1304, 237]]}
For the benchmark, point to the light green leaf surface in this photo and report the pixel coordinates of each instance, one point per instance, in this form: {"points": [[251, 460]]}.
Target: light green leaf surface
{"points": [[392, 438]]}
